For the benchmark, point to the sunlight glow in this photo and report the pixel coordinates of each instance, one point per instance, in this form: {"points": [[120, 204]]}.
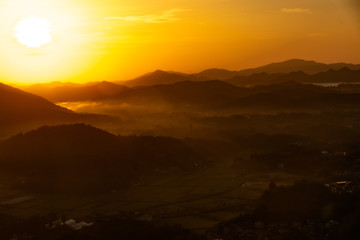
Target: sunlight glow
{"points": [[33, 32], [82, 40]]}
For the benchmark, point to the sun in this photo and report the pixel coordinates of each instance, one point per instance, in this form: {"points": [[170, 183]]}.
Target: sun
{"points": [[33, 32]]}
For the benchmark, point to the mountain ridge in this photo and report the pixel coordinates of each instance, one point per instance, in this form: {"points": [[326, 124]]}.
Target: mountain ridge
{"points": [[21, 111], [292, 65]]}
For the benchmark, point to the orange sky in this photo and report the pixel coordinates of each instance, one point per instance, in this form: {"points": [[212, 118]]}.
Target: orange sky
{"points": [[117, 40]]}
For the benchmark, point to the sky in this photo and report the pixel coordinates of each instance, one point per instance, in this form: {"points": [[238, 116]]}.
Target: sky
{"points": [[96, 40]]}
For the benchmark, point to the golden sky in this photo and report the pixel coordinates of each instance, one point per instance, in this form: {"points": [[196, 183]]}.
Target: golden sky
{"points": [[121, 39]]}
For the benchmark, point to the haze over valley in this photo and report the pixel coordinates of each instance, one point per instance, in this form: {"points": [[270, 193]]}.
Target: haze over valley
{"points": [[109, 146], [179, 120]]}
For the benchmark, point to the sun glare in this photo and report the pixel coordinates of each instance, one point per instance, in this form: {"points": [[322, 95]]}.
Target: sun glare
{"points": [[33, 32]]}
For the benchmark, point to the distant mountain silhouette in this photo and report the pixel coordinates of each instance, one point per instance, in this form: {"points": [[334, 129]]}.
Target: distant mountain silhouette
{"points": [[292, 89], [294, 65], [216, 74], [294, 96], [158, 78], [291, 70], [83, 158], [183, 93], [270, 91], [342, 75], [255, 79], [218, 95], [77, 92]]}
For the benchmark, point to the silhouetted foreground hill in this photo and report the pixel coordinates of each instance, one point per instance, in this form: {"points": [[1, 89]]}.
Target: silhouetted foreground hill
{"points": [[82, 158]]}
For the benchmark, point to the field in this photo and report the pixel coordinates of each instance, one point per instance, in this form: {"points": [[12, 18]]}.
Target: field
{"points": [[196, 200]]}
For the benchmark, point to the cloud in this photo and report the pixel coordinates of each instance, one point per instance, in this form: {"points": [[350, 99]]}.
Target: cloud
{"points": [[296, 10], [166, 16]]}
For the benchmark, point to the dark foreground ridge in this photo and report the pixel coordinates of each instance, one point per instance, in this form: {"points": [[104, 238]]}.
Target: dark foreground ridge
{"points": [[86, 159]]}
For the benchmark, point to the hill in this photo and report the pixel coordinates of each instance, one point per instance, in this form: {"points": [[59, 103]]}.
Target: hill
{"points": [[158, 78], [342, 75], [83, 158], [255, 79], [294, 65], [22, 111], [296, 96], [18, 106], [292, 70], [182, 93], [216, 73], [218, 95]]}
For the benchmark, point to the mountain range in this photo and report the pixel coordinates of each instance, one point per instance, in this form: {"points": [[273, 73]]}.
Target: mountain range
{"points": [[342, 75], [272, 91], [274, 70], [215, 95], [293, 65], [291, 70]]}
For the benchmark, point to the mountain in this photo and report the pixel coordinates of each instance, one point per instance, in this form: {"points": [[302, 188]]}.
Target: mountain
{"points": [[182, 93], [218, 95], [21, 111], [294, 65], [216, 74], [159, 78], [215, 95], [255, 79], [80, 157], [286, 94], [342, 75], [17, 105], [77, 92], [291, 89], [291, 70], [294, 96]]}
